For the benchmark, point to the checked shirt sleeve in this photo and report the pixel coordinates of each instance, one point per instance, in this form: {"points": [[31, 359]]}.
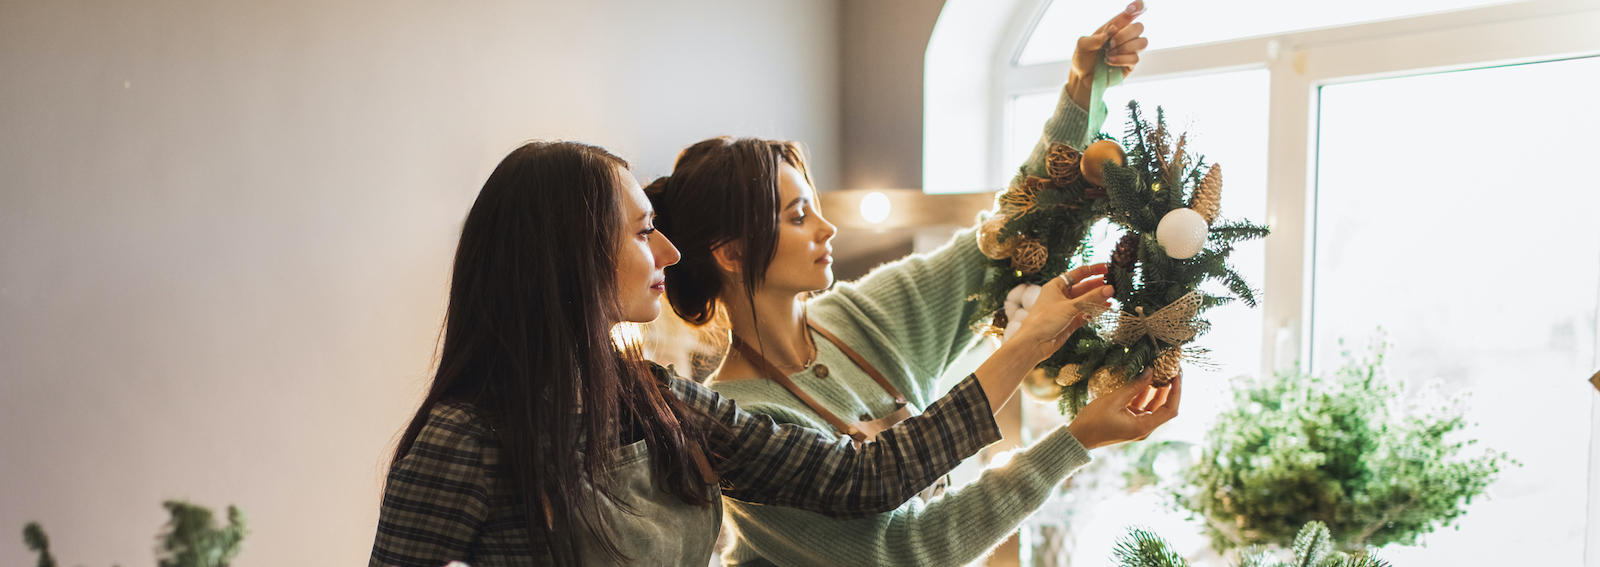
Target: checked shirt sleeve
{"points": [[763, 462], [436, 499]]}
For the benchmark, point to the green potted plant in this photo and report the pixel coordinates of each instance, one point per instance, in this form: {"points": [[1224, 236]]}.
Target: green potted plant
{"points": [[1345, 450], [191, 538]]}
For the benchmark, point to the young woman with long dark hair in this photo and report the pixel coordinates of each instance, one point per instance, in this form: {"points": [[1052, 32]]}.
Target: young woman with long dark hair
{"points": [[848, 361], [544, 440]]}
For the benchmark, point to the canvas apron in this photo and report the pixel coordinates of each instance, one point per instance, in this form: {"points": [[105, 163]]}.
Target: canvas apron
{"points": [[662, 530]]}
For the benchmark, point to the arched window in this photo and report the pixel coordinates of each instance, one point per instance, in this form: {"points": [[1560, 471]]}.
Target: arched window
{"points": [[1415, 161]]}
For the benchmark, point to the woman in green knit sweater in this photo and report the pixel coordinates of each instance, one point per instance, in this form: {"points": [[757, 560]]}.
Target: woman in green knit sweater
{"points": [[849, 360]]}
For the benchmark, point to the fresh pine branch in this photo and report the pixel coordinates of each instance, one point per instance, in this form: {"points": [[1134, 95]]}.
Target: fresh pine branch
{"points": [[1141, 548], [1311, 545]]}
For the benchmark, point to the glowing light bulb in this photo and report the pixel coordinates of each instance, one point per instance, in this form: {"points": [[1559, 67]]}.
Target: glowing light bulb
{"points": [[875, 207]]}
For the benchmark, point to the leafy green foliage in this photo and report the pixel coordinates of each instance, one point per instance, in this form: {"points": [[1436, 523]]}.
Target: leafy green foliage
{"points": [[190, 539], [193, 539], [1312, 548], [37, 542], [1342, 450]]}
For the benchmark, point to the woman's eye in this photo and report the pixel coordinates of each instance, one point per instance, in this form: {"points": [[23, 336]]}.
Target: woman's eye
{"points": [[647, 232], [799, 219]]}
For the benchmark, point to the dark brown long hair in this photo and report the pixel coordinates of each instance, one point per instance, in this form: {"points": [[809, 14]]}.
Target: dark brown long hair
{"points": [[721, 190], [527, 342]]}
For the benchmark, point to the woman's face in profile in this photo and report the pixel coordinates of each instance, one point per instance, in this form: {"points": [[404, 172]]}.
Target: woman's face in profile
{"points": [[803, 258], [642, 255]]}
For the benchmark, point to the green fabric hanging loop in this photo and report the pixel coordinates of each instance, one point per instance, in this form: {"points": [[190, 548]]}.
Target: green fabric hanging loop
{"points": [[1105, 76]]}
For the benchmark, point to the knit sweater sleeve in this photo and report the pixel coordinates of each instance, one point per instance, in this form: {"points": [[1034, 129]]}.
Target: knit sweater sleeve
{"points": [[1070, 125], [956, 529], [918, 305]]}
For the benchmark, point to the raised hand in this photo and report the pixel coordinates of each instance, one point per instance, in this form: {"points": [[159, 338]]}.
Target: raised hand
{"points": [[1125, 40], [1061, 309], [1129, 413]]}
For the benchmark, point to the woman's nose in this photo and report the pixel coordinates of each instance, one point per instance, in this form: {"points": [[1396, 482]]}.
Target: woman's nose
{"points": [[828, 230], [666, 253]]}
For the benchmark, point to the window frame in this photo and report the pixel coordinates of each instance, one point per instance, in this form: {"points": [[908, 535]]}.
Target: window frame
{"points": [[1300, 64]]}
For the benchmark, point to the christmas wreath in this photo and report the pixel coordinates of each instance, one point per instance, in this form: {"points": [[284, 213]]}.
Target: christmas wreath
{"points": [[1168, 203]]}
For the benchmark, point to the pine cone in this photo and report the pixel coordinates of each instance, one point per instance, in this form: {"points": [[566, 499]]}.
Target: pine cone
{"points": [[1126, 252], [1166, 367], [1029, 257], [1207, 199], [1062, 163], [1070, 374]]}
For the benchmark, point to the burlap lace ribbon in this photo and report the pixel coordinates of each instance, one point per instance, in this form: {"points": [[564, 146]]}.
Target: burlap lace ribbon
{"points": [[1174, 324]]}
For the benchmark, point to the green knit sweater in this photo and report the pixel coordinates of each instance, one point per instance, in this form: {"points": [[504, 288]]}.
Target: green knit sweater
{"points": [[909, 319]]}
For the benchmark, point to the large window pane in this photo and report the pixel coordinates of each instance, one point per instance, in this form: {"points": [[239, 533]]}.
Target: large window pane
{"points": [[1176, 24], [1457, 212], [1225, 115]]}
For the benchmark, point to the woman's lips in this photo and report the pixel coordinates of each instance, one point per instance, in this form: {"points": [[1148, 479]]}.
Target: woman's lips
{"points": [[659, 286], [825, 259]]}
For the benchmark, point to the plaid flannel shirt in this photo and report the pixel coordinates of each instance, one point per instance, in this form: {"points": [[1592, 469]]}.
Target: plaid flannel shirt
{"points": [[449, 499]]}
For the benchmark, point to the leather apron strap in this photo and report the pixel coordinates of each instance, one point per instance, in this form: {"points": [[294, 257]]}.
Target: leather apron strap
{"points": [[861, 431]]}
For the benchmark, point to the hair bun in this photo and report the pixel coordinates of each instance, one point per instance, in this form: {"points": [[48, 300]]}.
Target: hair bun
{"points": [[658, 186]]}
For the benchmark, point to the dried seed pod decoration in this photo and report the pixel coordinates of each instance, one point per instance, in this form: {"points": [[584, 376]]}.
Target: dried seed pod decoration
{"points": [[1019, 199], [1030, 256], [1177, 163]]}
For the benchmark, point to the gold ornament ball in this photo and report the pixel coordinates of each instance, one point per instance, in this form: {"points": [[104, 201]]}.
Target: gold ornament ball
{"points": [[1040, 386], [989, 239], [1094, 159]]}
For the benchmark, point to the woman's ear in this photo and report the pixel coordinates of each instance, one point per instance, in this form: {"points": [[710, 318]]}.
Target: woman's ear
{"points": [[730, 257]]}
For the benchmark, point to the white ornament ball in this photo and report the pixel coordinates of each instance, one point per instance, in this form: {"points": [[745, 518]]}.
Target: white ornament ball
{"points": [[1183, 233], [1030, 295]]}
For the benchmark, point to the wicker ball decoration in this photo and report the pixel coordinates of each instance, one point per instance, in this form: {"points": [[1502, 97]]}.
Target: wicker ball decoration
{"points": [[1029, 256], [1062, 163], [1166, 367], [989, 239]]}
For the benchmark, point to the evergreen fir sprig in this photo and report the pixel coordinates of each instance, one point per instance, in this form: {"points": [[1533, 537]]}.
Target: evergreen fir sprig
{"points": [[1313, 547], [1143, 548]]}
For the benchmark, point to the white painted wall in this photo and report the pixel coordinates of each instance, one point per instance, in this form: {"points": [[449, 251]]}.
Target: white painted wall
{"points": [[225, 227]]}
